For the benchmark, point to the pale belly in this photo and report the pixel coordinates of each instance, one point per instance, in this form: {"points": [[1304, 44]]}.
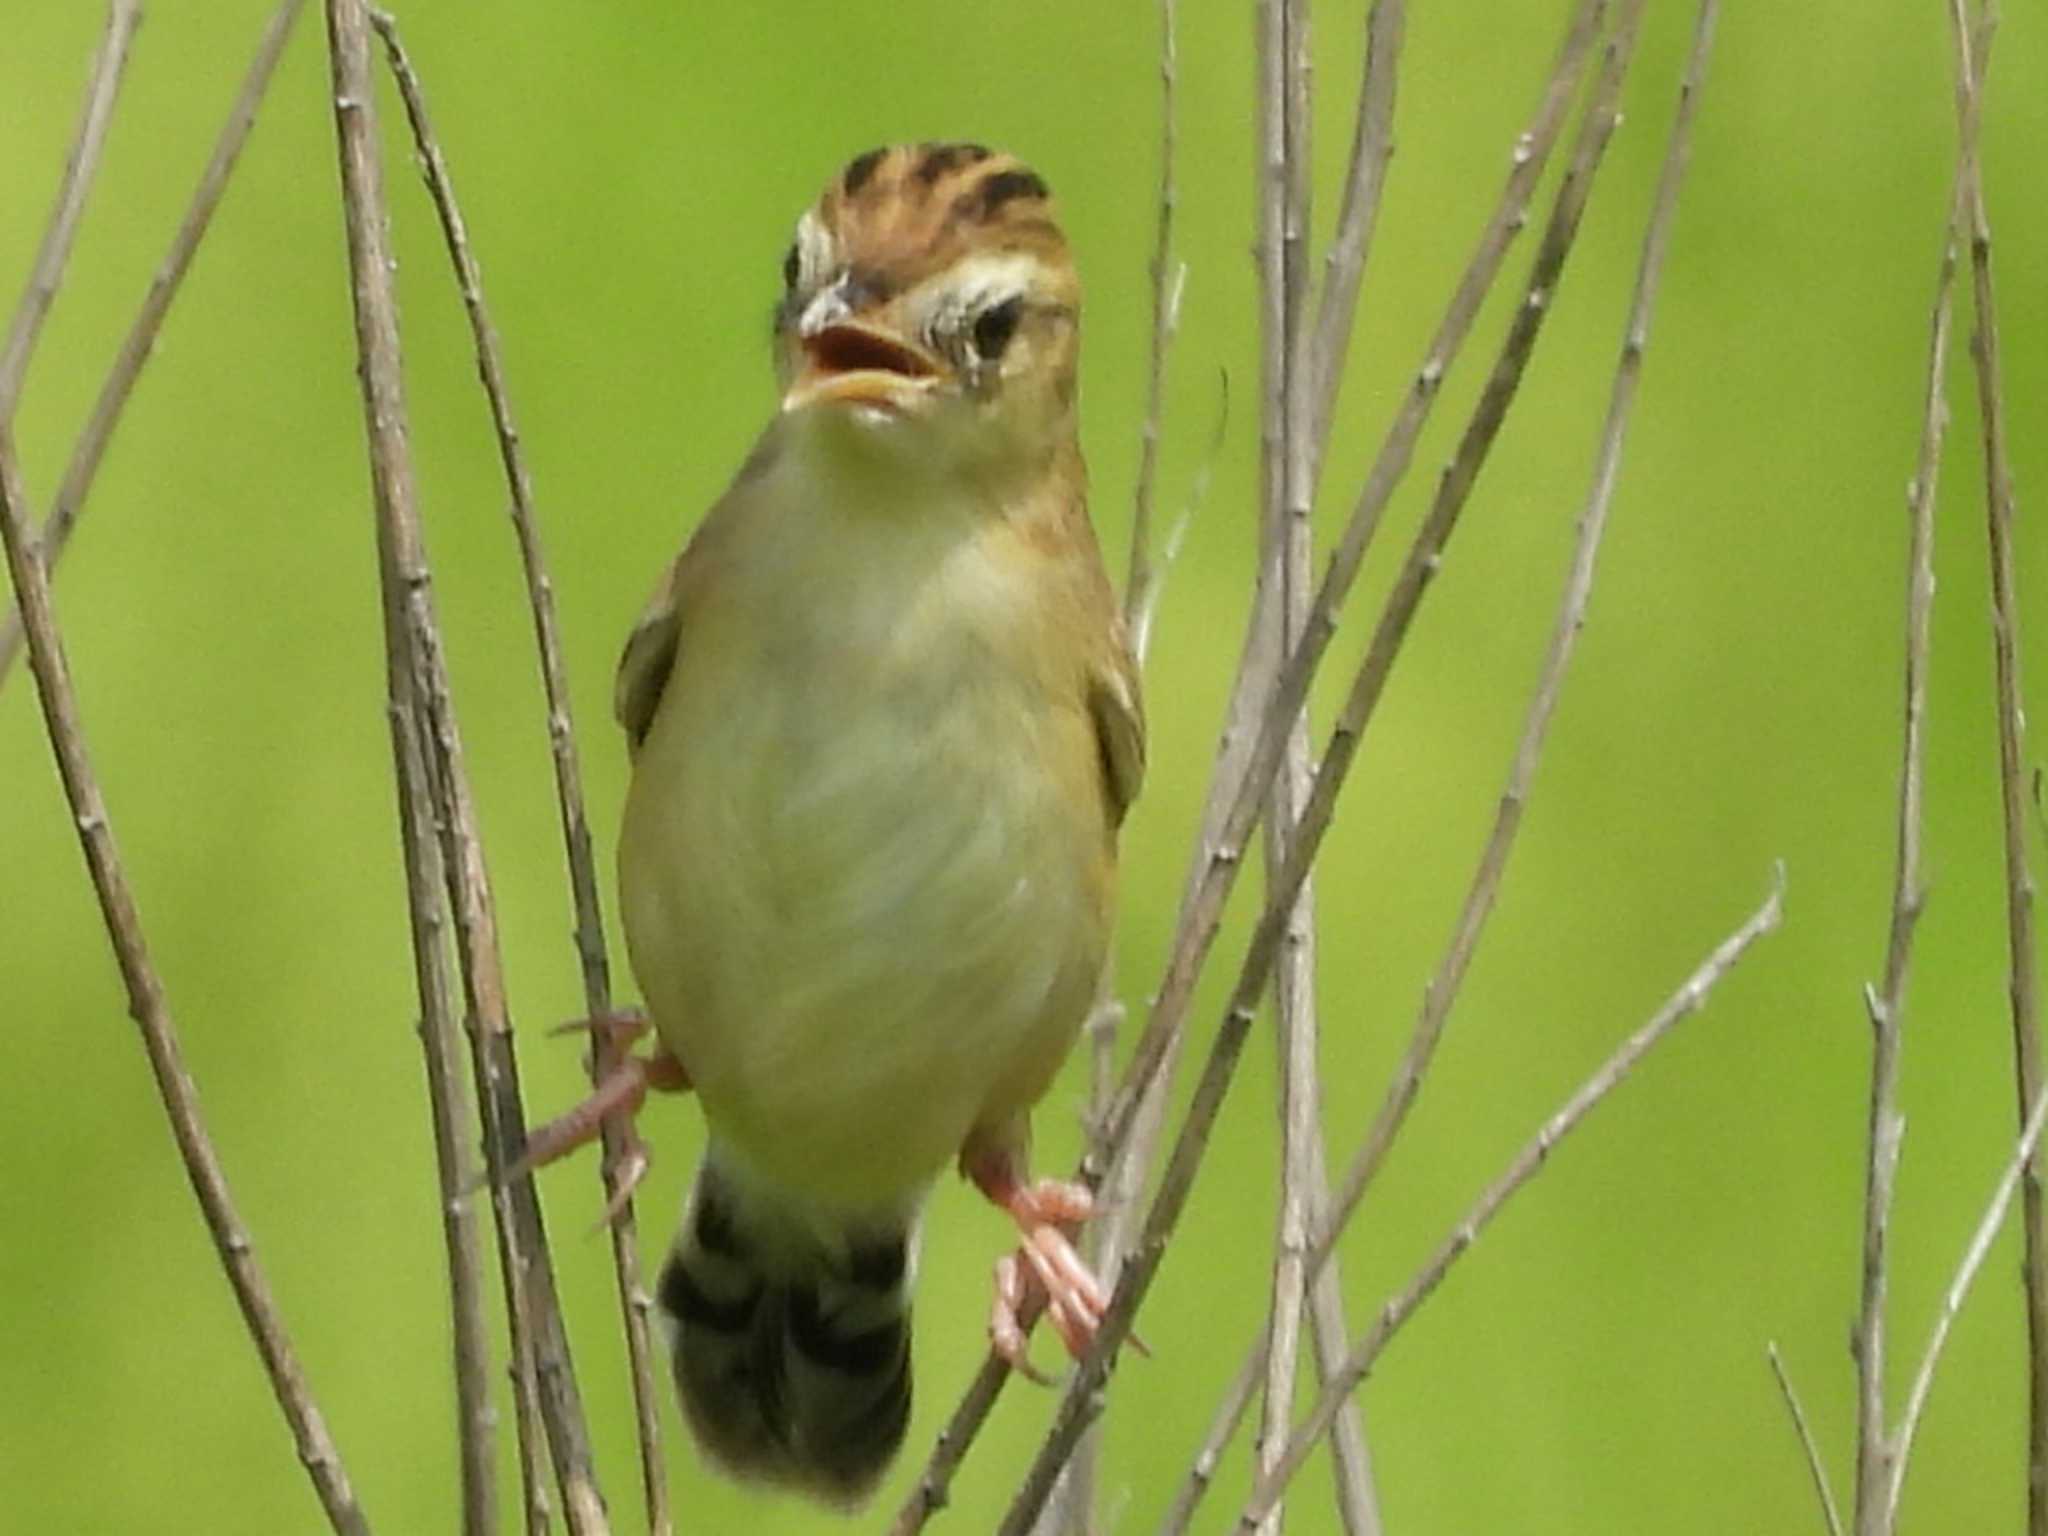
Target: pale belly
{"points": [[867, 901]]}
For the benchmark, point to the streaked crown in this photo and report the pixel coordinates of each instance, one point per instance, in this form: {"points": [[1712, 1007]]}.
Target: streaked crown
{"points": [[898, 216], [928, 273]]}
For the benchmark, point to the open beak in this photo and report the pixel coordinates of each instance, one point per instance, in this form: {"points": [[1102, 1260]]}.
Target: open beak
{"points": [[853, 364]]}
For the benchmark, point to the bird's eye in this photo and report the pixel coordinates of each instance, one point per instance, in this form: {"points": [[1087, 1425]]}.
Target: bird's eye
{"points": [[994, 327], [791, 266]]}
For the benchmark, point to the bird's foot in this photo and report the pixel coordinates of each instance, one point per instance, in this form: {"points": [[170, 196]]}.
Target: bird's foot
{"points": [[1045, 1271], [620, 1092]]}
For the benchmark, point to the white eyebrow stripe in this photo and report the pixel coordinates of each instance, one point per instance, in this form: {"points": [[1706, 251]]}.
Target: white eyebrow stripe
{"points": [[979, 280], [816, 251]]}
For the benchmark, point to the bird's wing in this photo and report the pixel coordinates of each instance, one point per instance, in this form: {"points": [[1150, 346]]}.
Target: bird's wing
{"points": [[651, 649], [1118, 710], [649, 657]]}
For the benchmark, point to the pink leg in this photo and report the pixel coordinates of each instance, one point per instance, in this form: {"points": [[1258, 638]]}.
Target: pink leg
{"points": [[621, 1092], [1045, 1266]]}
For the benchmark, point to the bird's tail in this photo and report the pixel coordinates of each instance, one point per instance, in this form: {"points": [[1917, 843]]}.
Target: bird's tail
{"points": [[790, 1336]]}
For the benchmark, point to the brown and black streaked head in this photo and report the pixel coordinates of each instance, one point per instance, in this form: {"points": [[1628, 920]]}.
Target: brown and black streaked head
{"points": [[929, 275]]}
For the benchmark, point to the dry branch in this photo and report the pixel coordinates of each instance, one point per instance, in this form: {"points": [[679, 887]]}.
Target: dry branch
{"points": [[1248, 758], [1958, 1291], [1886, 1007], [80, 167], [2022, 984], [1800, 1427], [1168, 279], [1372, 147], [582, 863], [1079, 1403], [419, 690], [449, 1109], [1365, 1354], [1442, 990], [1255, 737], [151, 1012], [1289, 451], [91, 447]]}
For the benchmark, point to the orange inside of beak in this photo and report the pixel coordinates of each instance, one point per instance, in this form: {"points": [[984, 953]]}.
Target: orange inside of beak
{"points": [[857, 349], [859, 365]]}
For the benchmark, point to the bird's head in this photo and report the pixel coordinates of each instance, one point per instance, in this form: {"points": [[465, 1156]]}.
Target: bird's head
{"points": [[930, 307]]}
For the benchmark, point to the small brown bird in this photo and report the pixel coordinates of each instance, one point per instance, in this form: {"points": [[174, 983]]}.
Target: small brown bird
{"points": [[884, 727]]}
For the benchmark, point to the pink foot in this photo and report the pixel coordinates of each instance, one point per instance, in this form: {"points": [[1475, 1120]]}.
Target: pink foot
{"points": [[1045, 1271], [621, 1091]]}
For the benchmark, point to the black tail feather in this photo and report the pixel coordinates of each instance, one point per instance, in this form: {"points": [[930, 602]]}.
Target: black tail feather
{"points": [[791, 1347]]}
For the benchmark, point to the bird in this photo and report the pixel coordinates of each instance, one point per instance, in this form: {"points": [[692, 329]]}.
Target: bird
{"points": [[884, 726]]}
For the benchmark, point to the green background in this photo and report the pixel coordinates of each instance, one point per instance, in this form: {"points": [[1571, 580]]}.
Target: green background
{"points": [[630, 173]]}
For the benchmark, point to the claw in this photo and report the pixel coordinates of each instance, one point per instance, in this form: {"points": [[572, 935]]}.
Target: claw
{"points": [[1005, 1325], [625, 1177], [616, 1030], [1045, 1268], [620, 1092]]}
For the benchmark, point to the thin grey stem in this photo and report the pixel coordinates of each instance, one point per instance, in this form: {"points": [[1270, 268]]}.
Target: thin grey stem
{"points": [[1290, 446], [1688, 999], [1217, 864], [1444, 985], [102, 88], [419, 688], [1168, 279], [91, 447], [1248, 758], [1800, 1427], [1423, 561], [2023, 985], [449, 1108], [1572, 616], [151, 1011], [1365, 180], [1886, 1006], [582, 863], [1253, 739], [1958, 1291], [1073, 1509]]}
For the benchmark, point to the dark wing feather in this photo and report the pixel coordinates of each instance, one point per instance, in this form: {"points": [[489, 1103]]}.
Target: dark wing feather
{"points": [[1118, 710]]}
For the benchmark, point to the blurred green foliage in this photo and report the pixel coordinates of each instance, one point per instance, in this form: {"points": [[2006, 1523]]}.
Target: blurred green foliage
{"points": [[630, 173]]}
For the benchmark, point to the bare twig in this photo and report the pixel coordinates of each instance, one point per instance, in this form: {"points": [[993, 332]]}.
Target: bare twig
{"points": [[590, 943], [1425, 553], [401, 568], [1886, 1008], [1248, 758], [1169, 278], [152, 1014], [419, 686], [83, 163], [1254, 739], [448, 1103], [1365, 1354], [1958, 1291], [2022, 986], [1806, 1442], [1073, 1509], [1282, 189], [91, 446], [1288, 439], [1372, 146], [1867, 1340], [1139, 619], [1444, 985]]}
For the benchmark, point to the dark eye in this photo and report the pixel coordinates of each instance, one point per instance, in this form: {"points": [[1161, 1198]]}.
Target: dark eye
{"points": [[994, 327], [790, 267]]}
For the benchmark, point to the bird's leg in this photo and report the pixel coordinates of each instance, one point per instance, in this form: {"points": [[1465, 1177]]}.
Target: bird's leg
{"points": [[1045, 1265], [621, 1091]]}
